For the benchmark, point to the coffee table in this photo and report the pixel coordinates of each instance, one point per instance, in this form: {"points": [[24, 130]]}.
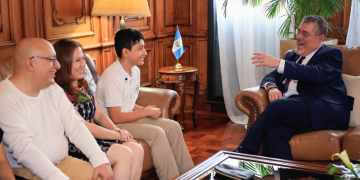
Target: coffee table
{"points": [[205, 170]]}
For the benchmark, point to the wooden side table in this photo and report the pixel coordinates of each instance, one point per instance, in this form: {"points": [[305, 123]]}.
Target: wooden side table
{"points": [[180, 77]]}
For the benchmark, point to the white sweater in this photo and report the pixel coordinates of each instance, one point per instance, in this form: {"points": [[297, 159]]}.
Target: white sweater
{"points": [[34, 130]]}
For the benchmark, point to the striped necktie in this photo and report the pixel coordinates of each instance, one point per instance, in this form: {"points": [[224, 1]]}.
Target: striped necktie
{"points": [[287, 81]]}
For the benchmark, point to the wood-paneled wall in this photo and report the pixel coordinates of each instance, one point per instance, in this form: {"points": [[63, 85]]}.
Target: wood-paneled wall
{"points": [[342, 19], [58, 19]]}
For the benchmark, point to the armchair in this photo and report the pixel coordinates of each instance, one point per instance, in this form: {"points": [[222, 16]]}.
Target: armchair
{"points": [[317, 145]]}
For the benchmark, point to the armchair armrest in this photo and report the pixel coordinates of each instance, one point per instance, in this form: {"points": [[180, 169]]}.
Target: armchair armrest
{"points": [[165, 99], [252, 101]]}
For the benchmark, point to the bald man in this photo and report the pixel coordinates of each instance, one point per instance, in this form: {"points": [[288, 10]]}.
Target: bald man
{"points": [[35, 116]]}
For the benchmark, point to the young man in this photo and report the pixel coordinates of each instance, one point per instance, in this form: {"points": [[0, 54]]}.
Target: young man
{"points": [[35, 115], [117, 91]]}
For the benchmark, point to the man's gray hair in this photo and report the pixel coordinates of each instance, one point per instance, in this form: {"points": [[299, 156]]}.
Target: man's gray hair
{"points": [[321, 24]]}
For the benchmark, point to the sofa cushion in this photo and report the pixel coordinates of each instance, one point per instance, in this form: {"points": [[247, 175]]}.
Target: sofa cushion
{"points": [[352, 84], [316, 145], [351, 143], [6, 67]]}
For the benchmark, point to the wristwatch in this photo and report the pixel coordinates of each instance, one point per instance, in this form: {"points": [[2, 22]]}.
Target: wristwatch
{"points": [[270, 88]]}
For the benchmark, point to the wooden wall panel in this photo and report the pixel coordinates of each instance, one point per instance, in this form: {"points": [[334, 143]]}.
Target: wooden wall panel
{"points": [[178, 13], [147, 69], [58, 19], [68, 12], [202, 62], [96, 56], [186, 59], [11, 26], [3, 3], [108, 58], [202, 15], [342, 20], [6, 24], [33, 14], [145, 25], [35, 18], [67, 19]]}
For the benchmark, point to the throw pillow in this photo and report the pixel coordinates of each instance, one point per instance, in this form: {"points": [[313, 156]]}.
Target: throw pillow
{"points": [[352, 84]]}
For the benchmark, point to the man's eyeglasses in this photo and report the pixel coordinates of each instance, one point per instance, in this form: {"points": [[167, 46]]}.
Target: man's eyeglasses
{"points": [[304, 33], [52, 59]]}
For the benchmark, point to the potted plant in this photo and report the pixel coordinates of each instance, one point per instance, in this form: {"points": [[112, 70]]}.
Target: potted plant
{"points": [[350, 171], [295, 11]]}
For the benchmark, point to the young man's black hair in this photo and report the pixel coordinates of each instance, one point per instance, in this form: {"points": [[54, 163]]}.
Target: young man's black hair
{"points": [[126, 38]]}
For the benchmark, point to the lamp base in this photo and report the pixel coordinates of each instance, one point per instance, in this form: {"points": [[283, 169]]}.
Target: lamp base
{"points": [[178, 65], [122, 23]]}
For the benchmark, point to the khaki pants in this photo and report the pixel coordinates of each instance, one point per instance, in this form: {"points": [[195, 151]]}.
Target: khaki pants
{"points": [[74, 168], [168, 149]]}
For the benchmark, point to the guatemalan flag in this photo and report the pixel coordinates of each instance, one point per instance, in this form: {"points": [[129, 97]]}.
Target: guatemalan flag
{"points": [[178, 48]]}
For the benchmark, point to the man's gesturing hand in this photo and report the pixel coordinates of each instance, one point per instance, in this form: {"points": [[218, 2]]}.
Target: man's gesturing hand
{"points": [[263, 59], [103, 171], [274, 94]]}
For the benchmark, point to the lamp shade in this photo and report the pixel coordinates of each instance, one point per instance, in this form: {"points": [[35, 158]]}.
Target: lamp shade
{"points": [[121, 8]]}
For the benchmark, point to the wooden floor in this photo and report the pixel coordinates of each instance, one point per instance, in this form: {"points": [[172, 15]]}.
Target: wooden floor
{"points": [[213, 134]]}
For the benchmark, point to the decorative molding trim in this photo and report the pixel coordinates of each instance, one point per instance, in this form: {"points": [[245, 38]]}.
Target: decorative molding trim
{"points": [[60, 22], [6, 44], [1, 24], [128, 19], [74, 35]]}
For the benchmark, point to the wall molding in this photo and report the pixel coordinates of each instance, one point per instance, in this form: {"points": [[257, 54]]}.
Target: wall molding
{"points": [[61, 22], [1, 23]]}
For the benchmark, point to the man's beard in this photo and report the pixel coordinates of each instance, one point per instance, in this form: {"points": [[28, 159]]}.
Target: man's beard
{"points": [[298, 52]]}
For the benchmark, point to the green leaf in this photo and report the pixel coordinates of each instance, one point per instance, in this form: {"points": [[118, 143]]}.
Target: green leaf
{"points": [[333, 170], [296, 10]]}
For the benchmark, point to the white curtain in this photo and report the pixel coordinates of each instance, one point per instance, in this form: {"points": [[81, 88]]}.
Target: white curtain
{"points": [[353, 35], [245, 30]]}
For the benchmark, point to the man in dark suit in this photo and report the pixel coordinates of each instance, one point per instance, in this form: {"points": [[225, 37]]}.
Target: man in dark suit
{"points": [[306, 93]]}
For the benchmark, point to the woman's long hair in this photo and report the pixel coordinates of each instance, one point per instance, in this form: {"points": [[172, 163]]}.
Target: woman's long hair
{"points": [[64, 53]]}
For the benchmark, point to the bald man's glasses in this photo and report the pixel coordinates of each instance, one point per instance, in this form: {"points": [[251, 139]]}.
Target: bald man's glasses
{"points": [[52, 59]]}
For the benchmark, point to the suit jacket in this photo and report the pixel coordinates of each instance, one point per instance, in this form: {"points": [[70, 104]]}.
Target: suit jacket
{"points": [[320, 83]]}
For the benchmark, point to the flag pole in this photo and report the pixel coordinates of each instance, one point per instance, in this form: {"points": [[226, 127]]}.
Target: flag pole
{"points": [[178, 65]]}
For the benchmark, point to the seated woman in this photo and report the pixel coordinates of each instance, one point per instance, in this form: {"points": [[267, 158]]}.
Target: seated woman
{"points": [[124, 154]]}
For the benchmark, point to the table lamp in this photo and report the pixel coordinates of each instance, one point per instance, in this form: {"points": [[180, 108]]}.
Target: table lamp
{"points": [[121, 8]]}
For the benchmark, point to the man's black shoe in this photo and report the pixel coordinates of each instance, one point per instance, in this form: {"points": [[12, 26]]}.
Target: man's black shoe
{"points": [[241, 149]]}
